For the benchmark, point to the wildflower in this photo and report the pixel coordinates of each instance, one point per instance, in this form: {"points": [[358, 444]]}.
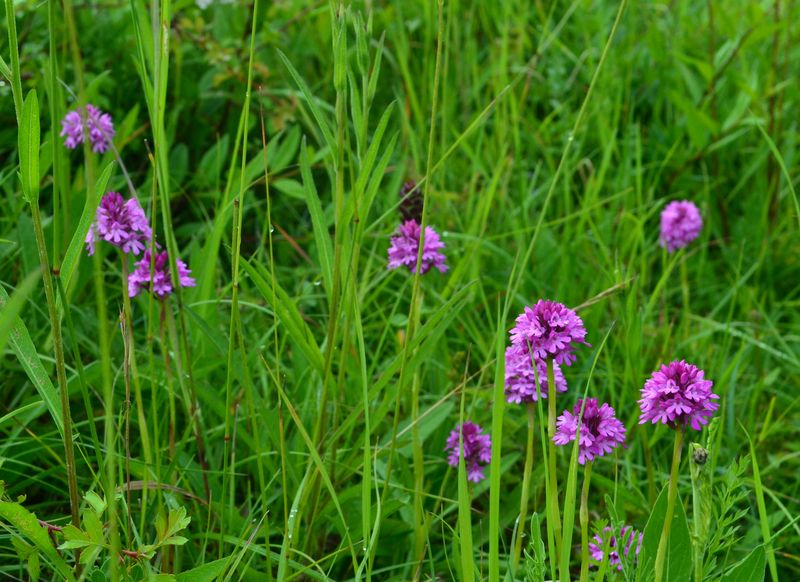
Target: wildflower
{"points": [[627, 536], [405, 248], [681, 223], [477, 449], [121, 223], [601, 432], [76, 124], [549, 330], [162, 283], [410, 202], [678, 394], [520, 380]]}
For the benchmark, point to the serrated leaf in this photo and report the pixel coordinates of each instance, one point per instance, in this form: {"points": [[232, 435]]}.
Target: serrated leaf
{"points": [[70, 532], [174, 541], [75, 544], [94, 527], [26, 524], [170, 524], [28, 140]]}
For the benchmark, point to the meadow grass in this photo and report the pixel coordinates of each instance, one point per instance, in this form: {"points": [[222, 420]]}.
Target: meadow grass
{"points": [[286, 417]]}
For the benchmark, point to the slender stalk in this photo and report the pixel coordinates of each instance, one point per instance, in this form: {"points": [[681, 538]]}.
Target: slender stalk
{"points": [[551, 544], [419, 466], [127, 342], [414, 315], [584, 519], [700, 502], [170, 386], [526, 482], [672, 495], [109, 426], [76, 356], [58, 348], [270, 229], [340, 85], [552, 498]]}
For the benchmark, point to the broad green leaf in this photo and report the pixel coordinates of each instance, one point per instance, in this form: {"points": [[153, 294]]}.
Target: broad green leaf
{"points": [[34, 567], [27, 355], [10, 310], [205, 573], [28, 139], [26, 524], [167, 525], [321, 235], [94, 527], [98, 503], [751, 569], [678, 565], [78, 241]]}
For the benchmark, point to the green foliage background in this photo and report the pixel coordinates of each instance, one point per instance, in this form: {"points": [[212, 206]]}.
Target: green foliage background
{"points": [[695, 100]]}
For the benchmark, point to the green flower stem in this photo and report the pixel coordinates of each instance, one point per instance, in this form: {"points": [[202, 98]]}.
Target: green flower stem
{"points": [[584, 519], [58, 348], [701, 505], [552, 498], [672, 495], [526, 483]]}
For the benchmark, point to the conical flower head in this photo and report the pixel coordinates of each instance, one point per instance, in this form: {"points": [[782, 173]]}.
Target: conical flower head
{"points": [[520, 379], [549, 330], [140, 279], [477, 449], [411, 202], [89, 123], [678, 394], [121, 223], [681, 223], [601, 432], [627, 540], [405, 248]]}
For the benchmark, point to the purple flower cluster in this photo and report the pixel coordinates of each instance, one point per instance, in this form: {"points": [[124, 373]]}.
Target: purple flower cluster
{"points": [[121, 223], [626, 539], [549, 330], [600, 432], [477, 449], [89, 123], [404, 248], [681, 223], [161, 281], [520, 378], [678, 395]]}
